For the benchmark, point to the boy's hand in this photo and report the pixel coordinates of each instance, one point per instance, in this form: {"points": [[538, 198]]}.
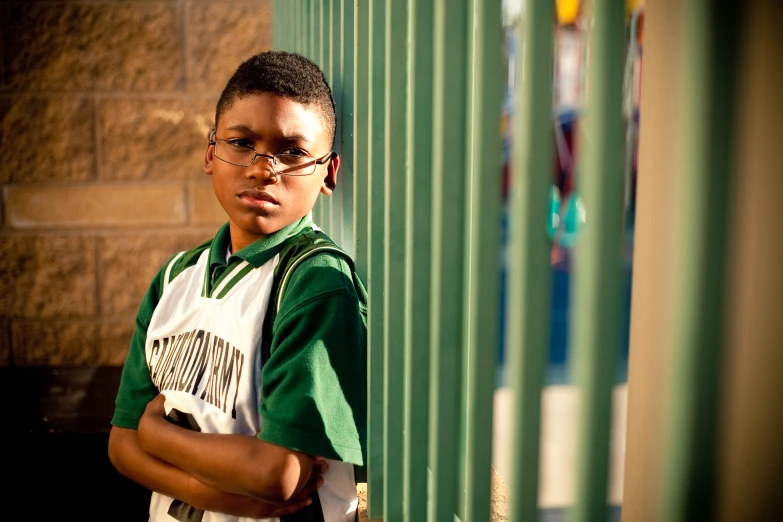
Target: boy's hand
{"points": [[156, 407], [303, 498]]}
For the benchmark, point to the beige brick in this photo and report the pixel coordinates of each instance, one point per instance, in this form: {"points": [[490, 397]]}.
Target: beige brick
{"points": [[205, 208], [121, 205], [155, 139], [70, 343], [46, 138], [129, 262], [92, 46], [47, 276], [220, 36], [115, 338], [5, 343]]}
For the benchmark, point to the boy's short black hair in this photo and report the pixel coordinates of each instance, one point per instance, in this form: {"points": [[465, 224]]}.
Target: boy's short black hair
{"points": [[285, 74]]}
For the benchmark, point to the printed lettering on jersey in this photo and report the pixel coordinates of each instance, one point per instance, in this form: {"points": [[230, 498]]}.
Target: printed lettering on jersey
{"points": [[200, 363]]}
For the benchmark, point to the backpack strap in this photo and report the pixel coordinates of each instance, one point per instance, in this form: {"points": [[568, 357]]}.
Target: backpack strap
{"points": [[293, 252]]}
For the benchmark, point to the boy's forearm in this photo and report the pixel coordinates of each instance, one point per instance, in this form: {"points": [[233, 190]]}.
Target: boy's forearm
{"points": [[132, 461], [238, 464]]}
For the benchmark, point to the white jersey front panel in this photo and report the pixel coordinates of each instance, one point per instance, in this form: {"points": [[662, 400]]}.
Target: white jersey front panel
{"points": [[203, 353]]}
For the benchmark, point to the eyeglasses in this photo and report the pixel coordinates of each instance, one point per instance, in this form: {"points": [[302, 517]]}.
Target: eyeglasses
{"points": [[237, 153]]}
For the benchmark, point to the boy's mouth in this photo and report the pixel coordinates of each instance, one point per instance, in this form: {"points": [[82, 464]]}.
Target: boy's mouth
{"points": [[257, 198]]}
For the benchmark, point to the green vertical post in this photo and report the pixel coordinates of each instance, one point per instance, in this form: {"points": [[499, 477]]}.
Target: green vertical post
{"points": [[529, 247], [361, 162], [311, 34], [595, 337], [418, 199], [318, 58], [319, 34], [304, 22], [300, 26], [286, 26], [336, 82], [484, 255], [348, 122], [294, 8], [395, 94], [279, 21], [291, 27], [326, 39], [275, 24], [703, 181], [462, 455], [375, 258], [449, 143], [326, 66]]}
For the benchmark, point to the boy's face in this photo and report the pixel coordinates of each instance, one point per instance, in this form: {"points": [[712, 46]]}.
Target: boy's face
{"points": [[257, 200]]}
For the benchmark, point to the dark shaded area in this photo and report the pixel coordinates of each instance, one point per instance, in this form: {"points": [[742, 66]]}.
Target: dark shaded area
{"points": [[55, 434]]}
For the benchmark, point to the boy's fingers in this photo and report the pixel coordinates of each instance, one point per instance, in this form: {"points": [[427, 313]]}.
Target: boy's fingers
{"points": [[319, 465], [292, 508]]}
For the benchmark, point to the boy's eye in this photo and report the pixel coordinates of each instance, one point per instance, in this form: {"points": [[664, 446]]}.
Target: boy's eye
{"points": [[293, 151], [240, 144]]}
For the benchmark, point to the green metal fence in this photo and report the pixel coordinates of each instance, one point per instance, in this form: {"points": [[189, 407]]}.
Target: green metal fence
{"points": [[418, 87]]}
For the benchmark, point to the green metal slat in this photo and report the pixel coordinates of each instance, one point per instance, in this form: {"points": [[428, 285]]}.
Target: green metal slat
{"points": [[466, 325], [395, 94], [484, 272], [319, 28], [595, 337], [449, 142], [280, 18], [286, 12], [326, 66], [298, 14], [302, 26], [318, 58], [336, 82], [310, 28], [361, 148], [291, 45], [375, 257], [418, 199], [326, 28], [347, 118], [292, 8], [706, 89], [276, 24], [529, 246]]}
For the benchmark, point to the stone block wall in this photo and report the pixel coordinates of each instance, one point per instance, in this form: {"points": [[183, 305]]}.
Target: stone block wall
{"points": [[105, 108]]}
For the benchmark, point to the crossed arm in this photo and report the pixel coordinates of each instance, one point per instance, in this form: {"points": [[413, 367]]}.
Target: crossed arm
{"points": [[236, 474]]}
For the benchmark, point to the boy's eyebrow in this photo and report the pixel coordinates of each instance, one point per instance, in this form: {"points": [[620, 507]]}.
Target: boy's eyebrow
{"points": [[287, 139], [243, 128], [295, 138]]}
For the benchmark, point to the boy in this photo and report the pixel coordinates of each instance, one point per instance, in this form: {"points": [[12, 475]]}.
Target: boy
{"points": [[244, 387]]}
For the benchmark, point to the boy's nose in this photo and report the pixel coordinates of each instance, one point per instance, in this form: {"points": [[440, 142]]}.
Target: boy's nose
{"points": [[262, 169]]}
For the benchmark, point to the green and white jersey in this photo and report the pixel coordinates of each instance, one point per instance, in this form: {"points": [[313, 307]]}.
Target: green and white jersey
{"points": [[297, 380]]}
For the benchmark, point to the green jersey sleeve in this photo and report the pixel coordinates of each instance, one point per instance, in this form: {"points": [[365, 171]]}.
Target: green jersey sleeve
{"points": [[314, 382]]}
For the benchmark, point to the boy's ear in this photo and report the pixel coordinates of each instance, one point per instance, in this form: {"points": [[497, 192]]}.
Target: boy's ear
{"points": [[330, 181], [209, 154]]}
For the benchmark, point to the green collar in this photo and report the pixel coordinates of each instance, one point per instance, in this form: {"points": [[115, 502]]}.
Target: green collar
{"points": [[258, 252]]}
